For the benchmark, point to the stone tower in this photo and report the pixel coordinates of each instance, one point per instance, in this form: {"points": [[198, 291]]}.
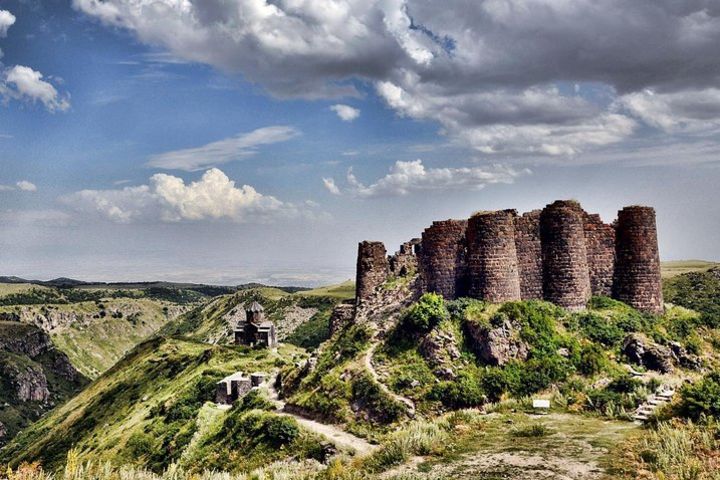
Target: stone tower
{"points": [[566, 278], [372, 269], [255, 313], [637, 271], [442, 258], [492, 257]]}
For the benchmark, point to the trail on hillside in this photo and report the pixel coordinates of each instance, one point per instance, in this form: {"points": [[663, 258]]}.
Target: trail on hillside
{"points": [[339, 437], [371, 368]]}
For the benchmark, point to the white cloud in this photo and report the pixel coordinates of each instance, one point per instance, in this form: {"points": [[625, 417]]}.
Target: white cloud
{"points": [[331, 186], [7, 20], [410, 177], [345, 112], [692, 111], [169, 199], [22, 185], [24, 83], [26, 186], [222, 151], [488, 72]]}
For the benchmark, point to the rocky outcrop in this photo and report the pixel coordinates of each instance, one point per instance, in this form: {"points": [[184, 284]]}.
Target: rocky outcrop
{"points": [[684, 358], [3, 432], [25, 341], [497, 345], [440, 350], [643, 351], [26, 380]]}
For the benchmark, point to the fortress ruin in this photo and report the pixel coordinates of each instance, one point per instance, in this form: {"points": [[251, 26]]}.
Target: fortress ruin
{"points": [[561, 254]]}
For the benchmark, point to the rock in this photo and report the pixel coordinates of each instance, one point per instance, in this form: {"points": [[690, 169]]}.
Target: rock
{"points": [[641, 350], [439, 348], [3, 432], [341, 316], [27, 381], [414, 384], [685, 358], [445, 373], [499, 345]]}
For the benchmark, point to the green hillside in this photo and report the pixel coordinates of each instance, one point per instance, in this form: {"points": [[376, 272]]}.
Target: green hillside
{"points": [[146, 409]]}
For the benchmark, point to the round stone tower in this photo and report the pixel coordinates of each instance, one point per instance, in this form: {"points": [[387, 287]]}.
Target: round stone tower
{"points": [[442, 258], [566, 278], [372, 269], [637, 268], [492, 258]]}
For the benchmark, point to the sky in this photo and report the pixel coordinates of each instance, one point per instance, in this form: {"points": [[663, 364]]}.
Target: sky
{"points": [[229, 141]]}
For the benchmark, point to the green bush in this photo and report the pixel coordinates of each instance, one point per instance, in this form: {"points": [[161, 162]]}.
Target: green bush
{"points": [[494, 383], [425, 313], [701, 398], [281, 431], [600, 329], [592, 360], [463, 392], [368, 394]]}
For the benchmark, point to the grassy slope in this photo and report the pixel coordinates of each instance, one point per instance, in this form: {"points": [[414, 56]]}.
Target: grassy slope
{"points": [[153, 395], [342, 291], [678, 267], [95, 346]]}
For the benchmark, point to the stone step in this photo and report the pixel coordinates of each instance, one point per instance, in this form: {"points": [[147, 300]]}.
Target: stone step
{"points": [[640, 417]]}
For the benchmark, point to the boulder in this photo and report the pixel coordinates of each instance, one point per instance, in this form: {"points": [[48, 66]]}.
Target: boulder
{"points": [[3, 432], [439, 349], [498, 345], [685, 358], [643, 351]]}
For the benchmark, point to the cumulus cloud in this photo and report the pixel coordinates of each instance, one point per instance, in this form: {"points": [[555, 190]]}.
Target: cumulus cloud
{"points": [[22, 185], [169, 199], [24, 83], [410, 177], [222, 151], [345, 112], [490, 72], [7, 20], [26, 186]]}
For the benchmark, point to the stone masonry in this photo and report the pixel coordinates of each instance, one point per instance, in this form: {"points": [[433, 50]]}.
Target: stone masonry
{"points": [[372, 268], [637, 269], [492, 257], [561, 254], [529, 253], [443, 258]]}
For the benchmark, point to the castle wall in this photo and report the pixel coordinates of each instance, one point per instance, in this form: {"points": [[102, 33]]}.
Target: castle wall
{"points": [[637, 272], [529, 255], [405, 260], [372, 269], [492, 258], [600, 245], [566, 278], [442, 258]]}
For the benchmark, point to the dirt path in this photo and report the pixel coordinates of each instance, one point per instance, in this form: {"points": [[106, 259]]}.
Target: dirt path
{"points": [[371, 368], [337, 436]]}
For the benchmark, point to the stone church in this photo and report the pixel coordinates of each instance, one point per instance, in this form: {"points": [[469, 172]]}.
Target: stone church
{"points": [[255, 330]]}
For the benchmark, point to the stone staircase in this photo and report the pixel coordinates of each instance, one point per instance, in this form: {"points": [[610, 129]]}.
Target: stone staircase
{"points": [[661, 397]]}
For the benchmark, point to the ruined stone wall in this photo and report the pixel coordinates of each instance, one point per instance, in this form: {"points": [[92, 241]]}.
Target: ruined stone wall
{"points": [[372, 268], [637, 271], [566, 278], [600, 245], [492, 258], [405, 260], [529, 255], [442, 258]]}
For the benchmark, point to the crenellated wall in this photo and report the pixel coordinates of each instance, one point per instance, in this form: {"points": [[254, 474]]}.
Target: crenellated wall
{"points": [[561, 254], [637, 270], [566, 277], [442, 258], [492, 263], [529, 254]]}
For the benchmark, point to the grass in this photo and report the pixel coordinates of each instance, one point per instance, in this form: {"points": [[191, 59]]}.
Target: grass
{"points": [[678, 267], [342, 291]]}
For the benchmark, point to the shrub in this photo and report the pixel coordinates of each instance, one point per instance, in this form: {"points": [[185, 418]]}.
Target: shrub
{"points": [[465, 391], [532, 430], [366, 392], [281, 430], [425, 313], [592, 360], [702, 398], [494, 383], [600, 329]]}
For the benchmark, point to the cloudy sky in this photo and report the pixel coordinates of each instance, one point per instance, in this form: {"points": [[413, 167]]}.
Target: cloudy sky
{"points": [[227, 141]]}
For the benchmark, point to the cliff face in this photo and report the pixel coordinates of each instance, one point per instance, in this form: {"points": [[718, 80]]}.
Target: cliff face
{"points": [[34, 376]]}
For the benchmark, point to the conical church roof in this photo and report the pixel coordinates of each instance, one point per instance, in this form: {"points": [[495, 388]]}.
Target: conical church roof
{"points": [[255, 307]]}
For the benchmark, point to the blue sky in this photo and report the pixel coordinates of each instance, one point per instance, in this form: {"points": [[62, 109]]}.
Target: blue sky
{"points": [[129, 121]]}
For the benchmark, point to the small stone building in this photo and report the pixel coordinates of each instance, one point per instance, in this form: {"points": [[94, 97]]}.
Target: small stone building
{"points": [[255, 330], [237, 386]]}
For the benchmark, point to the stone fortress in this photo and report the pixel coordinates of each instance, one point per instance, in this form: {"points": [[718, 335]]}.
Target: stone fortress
{"points": [[561, 254]]}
